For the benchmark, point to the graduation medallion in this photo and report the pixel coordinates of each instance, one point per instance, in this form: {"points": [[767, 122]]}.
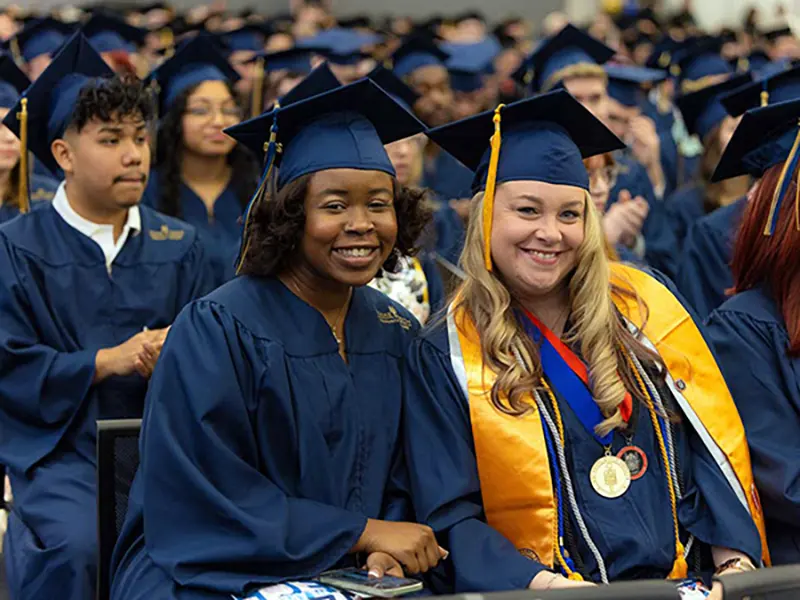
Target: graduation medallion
{"points": [[610, 477], [635, 459]]}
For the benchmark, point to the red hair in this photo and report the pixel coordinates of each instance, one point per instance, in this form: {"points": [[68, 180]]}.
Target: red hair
{"points": [[772, 261], [121, 62]]}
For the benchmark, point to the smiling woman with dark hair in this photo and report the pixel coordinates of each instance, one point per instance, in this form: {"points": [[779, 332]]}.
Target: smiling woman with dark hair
{"points": [[279, 457]]}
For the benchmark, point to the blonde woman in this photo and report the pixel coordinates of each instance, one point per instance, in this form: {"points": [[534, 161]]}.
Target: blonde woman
{"points": [[558, 433]]}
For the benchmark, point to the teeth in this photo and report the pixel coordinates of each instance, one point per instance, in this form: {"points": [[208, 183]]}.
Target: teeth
{"points": [[355, 252], [544, 255]]}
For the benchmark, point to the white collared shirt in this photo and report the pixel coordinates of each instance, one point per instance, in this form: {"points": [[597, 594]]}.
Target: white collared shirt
{"points": [[102, 235]]}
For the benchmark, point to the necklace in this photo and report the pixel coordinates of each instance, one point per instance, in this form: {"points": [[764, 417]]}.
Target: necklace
{"points": [[335, 325]]}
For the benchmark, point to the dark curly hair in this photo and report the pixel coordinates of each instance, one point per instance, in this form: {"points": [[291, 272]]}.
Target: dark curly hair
{"points": [[169, 154], [119, 96], [276, 226]]}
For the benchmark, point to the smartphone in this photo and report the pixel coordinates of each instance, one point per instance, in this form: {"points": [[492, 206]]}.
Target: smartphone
{"points": [[358, 580]]}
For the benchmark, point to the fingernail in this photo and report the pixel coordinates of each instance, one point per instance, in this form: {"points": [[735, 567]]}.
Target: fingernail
{"points": [[374, 574]]}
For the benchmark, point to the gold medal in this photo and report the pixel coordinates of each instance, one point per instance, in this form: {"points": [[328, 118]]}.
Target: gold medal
{"points": [[610, 477]]}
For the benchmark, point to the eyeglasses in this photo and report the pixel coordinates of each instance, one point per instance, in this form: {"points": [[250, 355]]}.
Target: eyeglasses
{"points": [[607, 175], [207, 112]]}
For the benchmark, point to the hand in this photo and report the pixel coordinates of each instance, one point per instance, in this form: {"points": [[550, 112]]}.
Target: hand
{"points": [[122, 360], [547, 580], [462, 206], [645, 143], [148, 356], [623, 221], [380, 564], [413, 546], [716, 592]]}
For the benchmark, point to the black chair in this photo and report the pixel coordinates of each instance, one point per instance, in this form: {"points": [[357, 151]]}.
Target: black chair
{"points": [[628, 590], [117, 461], [778, 583]]}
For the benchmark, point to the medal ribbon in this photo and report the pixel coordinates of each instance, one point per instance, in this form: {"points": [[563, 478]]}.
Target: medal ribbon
{"points": [[569, 374]]}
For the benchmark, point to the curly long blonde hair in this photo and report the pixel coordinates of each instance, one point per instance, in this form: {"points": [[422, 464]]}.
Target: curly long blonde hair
{"points": [[596, 325]]}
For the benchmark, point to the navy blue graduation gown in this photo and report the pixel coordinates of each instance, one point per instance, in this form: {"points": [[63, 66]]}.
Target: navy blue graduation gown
{"points": [[263, 452], [660, 243], [684, 208], [634, 533], [42, 189], [704, 271], [219, 232], [750, 338], [449, 232], [59, 305], [448, 178]]}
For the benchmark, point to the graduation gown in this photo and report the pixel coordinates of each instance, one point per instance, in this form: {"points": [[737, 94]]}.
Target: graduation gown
{"points": [[448, 178], [634, 533], [220, 232], [750, 338], [264, 453], [704, 271], [684, 208], [660, 242], [449, 233], [59, 305], [42, 189]]}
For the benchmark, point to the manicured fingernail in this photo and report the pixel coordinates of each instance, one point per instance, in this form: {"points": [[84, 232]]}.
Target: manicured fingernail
{"points": [[374, 574]]}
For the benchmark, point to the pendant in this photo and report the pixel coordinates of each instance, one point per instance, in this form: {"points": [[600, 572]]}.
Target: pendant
{"points": [[610, 477], [635, 459]]}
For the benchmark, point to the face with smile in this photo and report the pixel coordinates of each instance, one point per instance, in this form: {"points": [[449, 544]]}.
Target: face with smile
{"points": [[9, 146], [536, 231], [350, 225], [210, 108]]}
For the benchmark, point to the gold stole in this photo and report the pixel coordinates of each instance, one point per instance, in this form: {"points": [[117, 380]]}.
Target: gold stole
{"points": [[512, 457]]}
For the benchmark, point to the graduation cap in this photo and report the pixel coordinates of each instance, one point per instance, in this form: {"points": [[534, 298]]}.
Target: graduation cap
{"points": [[475, 56], [544, 138], [248, 37], [342, 46], [703, 110], [765, 137], [319, 81], [569, 47], [700, 62], [45, 109], [344, 128], [294, 60], [774, 35], [41, 36], [13, 82], [107, 34], [394, 86], [663, 53], [625, 82], [767, 90], [195, 62], [416, 52]]}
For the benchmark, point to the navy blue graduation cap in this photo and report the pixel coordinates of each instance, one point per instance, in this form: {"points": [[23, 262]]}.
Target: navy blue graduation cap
{"points": [[567, 48], [41, 36], [477, 56], [342, 46], [45, 108], [703, 110], [625, 82], [416, 52], [193, 63], [319, 81], [13, 82], [767, 90], [764, 138], [344, 128], [701, 60], [248, 37], [294, 60], [394, 86], [544, 138], [107, 34]]}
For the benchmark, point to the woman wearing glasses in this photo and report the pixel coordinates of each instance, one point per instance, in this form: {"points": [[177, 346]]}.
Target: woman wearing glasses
{"points": [[201, 176]]}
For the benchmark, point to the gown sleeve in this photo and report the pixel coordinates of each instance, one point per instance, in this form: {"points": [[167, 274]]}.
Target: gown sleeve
{"points": [[212, 518], [444, 479], [764, 385], [42, 388]]}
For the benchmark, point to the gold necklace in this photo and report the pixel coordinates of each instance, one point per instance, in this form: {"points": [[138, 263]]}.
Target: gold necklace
{"points": [[335, 326]]}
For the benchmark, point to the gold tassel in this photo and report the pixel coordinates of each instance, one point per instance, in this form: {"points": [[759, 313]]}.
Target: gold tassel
{"points": [[488, 196], [679, 568], [257, 96], [777, 195], [764, 97], [23, 199]]}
